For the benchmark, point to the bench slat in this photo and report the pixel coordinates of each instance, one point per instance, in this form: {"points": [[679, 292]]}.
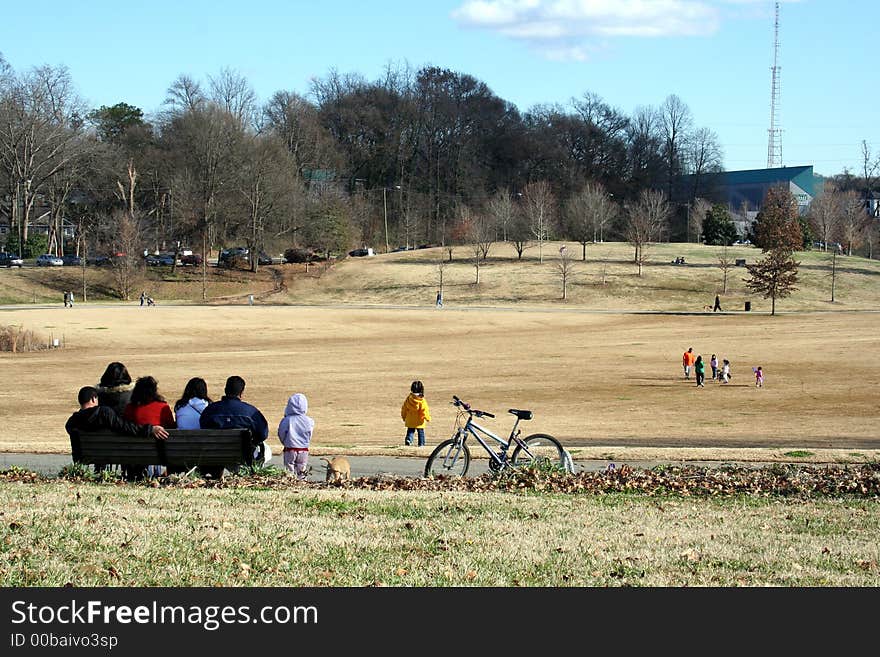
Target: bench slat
{"points": [[184, 447]]}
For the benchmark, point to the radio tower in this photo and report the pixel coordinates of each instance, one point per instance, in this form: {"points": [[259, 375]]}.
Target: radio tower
{"points": [[774, 142]]}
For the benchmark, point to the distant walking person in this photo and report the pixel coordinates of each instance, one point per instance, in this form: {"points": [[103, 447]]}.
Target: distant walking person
{"points": [[66, 299], [687, 362], [700, 369], [725, 371], [415, 413], [713, 363], [759, 377], [439, 299], [143, 297], [70, 298], [717, 305]]}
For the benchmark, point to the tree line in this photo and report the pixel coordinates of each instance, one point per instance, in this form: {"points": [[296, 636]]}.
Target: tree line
{"points": [[427, 156]]}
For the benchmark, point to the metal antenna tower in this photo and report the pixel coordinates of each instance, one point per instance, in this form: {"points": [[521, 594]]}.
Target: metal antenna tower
{"points": [[774, 141]]}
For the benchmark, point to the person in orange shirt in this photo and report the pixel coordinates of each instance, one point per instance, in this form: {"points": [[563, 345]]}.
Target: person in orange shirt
{"points": [[687, 361]]}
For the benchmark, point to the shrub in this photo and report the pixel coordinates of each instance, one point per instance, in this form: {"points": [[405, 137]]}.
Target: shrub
{"points": [[298, 255], [18, 338]]}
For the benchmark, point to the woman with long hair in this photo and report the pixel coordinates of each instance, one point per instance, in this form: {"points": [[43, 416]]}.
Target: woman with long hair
{"points": [[147, 406], [188, 409], [114, 389]]}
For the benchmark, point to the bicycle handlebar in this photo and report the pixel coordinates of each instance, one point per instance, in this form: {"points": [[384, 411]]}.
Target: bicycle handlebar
{"points": [[463, 404]]}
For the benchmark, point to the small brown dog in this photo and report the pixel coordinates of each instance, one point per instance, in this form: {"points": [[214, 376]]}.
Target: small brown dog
{"points": [[338, 469]]}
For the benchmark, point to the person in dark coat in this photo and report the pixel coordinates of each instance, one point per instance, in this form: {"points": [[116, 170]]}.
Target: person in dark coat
{"points": [[114, 389], [230, 412], [717, 305], [93, 417]]}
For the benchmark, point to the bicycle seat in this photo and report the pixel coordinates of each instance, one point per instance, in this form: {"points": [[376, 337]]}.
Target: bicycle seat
{"points": [[522, 415]]}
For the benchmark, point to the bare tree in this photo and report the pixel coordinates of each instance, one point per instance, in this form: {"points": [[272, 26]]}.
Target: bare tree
{"points": [[441, 267], [564, 269], [40, 128], [184, 95], [540, 208], [234, 94], [704, 156], [644, 221], [870, 171], [520, 233], [852, 220], [502, 209], [833, 273], [696, 215], [675, 123], [127, 265], [825, 214], [587, 213], [725, 263], [773, 276]]}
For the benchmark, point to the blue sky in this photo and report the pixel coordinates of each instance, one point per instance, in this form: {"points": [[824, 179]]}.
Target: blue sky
{"points": [[714, 54]]}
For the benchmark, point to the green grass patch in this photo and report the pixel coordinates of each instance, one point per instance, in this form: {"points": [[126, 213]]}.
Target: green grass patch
{"points": [[798, 453]]}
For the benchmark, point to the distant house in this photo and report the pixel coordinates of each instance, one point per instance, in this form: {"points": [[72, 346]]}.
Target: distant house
{"points": [[872, 205]]}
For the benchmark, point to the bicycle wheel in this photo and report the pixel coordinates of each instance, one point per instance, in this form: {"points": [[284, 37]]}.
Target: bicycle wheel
{"points": [[540, 449], [449, 458]]}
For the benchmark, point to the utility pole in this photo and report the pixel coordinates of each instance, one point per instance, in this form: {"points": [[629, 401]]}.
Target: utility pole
{"points": [[774, 141], [385, 204]]}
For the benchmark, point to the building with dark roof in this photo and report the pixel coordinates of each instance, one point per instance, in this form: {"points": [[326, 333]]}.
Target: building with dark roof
{"points": [[746, 189]]}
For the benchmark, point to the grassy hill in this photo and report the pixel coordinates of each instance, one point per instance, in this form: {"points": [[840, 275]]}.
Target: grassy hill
{"points": [[606, 280]]}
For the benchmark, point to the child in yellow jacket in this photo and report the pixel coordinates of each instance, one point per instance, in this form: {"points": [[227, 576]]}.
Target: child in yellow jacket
{"points": [[415, 413]]}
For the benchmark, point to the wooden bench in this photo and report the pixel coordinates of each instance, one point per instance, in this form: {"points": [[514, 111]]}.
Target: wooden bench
{"points": [[209, 450]]}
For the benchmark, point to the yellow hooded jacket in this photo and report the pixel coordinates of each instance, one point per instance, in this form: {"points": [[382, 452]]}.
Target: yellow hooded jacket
{"points": [[415, 412]]}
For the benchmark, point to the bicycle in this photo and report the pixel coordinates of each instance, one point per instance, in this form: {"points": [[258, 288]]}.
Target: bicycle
{"points": [[453, 457]]}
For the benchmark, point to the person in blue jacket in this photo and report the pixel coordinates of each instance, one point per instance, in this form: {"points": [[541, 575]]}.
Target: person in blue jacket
{"points": [[230, 412]]}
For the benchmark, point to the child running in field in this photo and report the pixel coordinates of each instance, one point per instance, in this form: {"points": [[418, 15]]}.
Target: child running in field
{"points": [[295, 433], [415, 413], [759, 377]]}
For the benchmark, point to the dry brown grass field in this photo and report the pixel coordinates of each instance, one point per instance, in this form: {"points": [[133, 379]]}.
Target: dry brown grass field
{"points": [[601, 371]]}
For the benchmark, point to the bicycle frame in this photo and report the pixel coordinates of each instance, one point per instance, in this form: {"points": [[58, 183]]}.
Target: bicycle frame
{"points": [[474, 429]]}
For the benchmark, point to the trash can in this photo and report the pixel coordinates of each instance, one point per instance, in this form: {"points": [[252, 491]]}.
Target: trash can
{"points": [[748, 306]]}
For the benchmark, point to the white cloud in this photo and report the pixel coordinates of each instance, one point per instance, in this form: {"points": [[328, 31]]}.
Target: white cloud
{"points": [[563, 29]]}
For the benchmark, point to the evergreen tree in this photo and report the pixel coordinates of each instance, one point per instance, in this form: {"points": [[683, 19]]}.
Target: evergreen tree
{"points": [[718, 227]]}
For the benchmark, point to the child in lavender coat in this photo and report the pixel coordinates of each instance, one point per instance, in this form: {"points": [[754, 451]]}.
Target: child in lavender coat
{"points": [[295, 433]]}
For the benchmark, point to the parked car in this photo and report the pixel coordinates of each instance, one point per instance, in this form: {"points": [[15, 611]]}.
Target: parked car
{"points": [[151, 260], [49, 260], [191, 259], [166, 259], [98, 261], [232, 257], [71, 260], [264, 258], [10, 260], [360, 253]]}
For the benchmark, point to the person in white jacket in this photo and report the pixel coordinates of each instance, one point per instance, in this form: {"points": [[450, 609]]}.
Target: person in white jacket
{"points": [[295, 433]]}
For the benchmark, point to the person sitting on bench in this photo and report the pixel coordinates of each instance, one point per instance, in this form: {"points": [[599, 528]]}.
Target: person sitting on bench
{"points": [[230, 412], [91, 417]]}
